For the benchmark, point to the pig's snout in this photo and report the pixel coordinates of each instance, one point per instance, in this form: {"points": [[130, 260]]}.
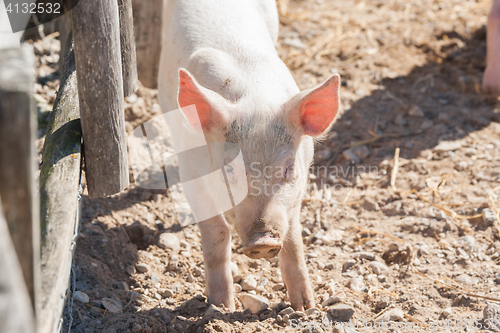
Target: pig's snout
{"points": [[263, 246]]}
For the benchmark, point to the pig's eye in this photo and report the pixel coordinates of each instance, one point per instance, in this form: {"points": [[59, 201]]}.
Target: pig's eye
{"points": [[289, 172]]}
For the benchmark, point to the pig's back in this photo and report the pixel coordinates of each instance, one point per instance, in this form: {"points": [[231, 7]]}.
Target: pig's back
{"points": [[216, 40]]}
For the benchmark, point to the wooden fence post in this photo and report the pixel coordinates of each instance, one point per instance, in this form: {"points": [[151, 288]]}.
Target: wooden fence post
{"points": [[127, 43], [148, 39], [59, 179], [96, 34], [16, 312], [17, 159]]}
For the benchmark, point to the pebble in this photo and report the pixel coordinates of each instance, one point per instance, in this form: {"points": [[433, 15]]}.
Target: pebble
{"points": [[166, 293], [254, 303], [288, 310], [415, 111], [278, 286], [350, 156], [169, 241], [462, 165], [391, 315], [95, 313], [492, 313], [312, 311], [130, 270], [426, 124], [446, 312], [466, 279], [369, 204], [348, 264], [234, 269], [341, 312], [378, 267], [488, 216], [113, 305], [142, 268], [237, 288], [400, 120], [212, 310], [364, 255], [249, 283], [123, 286], [81, 297], [237, 278], [356, 284], [331, 300], [466, 242], [448, 146], [155, 279], [190, 278]]}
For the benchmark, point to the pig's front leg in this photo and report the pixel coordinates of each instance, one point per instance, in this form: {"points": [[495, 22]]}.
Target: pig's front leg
{"points": [[216, 243], [294, 270]]}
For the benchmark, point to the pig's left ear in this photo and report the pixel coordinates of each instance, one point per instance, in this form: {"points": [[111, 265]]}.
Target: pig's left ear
{"points": [[211, 108], [317, 107]]}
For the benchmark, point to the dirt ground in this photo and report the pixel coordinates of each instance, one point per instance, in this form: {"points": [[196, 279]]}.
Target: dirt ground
{"points": [[425, 249]]}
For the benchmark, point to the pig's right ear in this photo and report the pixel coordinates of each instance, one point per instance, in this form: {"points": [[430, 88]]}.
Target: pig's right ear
{"points": [[211, 108], [315, 109]]}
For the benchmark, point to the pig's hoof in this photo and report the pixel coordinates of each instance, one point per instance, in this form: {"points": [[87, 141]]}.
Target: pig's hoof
{"points": [[302, 299], [491, 83]]}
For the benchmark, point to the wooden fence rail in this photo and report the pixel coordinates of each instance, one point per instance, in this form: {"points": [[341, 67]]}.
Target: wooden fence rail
{"points": [[59, 191], [17, 158]]}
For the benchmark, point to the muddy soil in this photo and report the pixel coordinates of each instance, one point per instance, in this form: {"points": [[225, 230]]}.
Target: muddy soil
{"points": [[415, 243]]}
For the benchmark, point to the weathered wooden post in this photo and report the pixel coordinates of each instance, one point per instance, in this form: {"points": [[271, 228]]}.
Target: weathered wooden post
{"points": [[148, 39], [16, 312], [96, 34], [17, 158], [127, 43], [59, 190]]}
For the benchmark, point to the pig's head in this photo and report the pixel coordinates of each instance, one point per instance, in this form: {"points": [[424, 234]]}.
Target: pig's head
{"points": [[276, 141]]}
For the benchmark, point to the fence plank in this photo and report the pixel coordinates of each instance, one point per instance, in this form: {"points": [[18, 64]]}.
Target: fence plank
{"points": [[96, 34], [16, 312], [148, 39], [17, 158], [127, 44], [59, 185]]}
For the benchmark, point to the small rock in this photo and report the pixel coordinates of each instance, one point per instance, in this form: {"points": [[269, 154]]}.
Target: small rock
{"points": [[448, 146], [123, 286], [288, 310], [166, 293], [462, 165], [169, 241], [361, 152], [466, 279], [130, 270], [155, 279], [237, 278], [356, 284], [415, 111], [312, 311], [400, 120], [212, 310], [81, 297], [142, 268], [348, 264], [329, 266], [237, 288], [446, 312], [331, 300], [488, 216], [378, 267], [190, 278], [113, 305], [234, 269], [467, 243], [294, 42], [492, 313], [341, 312], [249, 283], [426, 124], [391, 315], [350, 156], [95, 313], [369, 204], [254, 303], [364, 255], [278, 286], [424, 249]]}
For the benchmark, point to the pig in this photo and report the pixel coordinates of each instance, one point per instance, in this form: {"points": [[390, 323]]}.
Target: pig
{"points": [[220, 56], [491, 78]]}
